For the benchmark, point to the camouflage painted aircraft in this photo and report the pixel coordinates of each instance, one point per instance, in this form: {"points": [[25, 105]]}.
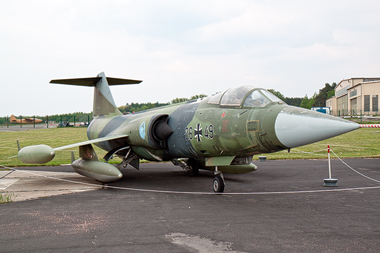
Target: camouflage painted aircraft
{"points": [[219, 133], [14, 120]]}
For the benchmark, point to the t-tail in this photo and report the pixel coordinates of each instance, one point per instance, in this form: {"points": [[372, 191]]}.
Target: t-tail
{"points": [[104, 105], [13, 118]]}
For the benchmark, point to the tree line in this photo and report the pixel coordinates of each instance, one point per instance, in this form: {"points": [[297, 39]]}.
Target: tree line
{"points": [[71, 117], [317, 100], [135, 107]]}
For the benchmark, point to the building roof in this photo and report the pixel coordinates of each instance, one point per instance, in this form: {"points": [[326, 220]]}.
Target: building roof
{"points": [[373, 80]]}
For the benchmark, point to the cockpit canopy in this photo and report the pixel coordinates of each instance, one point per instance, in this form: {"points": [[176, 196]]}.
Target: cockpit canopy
{"points": [[244, 96]]}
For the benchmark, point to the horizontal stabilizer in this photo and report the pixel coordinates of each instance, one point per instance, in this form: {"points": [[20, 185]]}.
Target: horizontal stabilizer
{"points": [[107, 138], [104, 105], [92, 81]]}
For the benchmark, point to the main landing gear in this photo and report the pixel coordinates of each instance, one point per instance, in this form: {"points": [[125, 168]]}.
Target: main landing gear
{"points": [[192, 168], [218, 184]]}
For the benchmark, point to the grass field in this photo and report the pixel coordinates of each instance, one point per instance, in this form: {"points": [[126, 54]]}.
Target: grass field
{"points": [[54, 137], [360, 143]]}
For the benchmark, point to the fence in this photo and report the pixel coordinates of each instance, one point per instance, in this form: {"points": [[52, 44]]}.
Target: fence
{"points": [[49, 121], [342, 113], [357, 116]]}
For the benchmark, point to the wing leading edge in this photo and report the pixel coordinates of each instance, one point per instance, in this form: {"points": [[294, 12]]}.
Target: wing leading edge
{"points": [[107, 138]]}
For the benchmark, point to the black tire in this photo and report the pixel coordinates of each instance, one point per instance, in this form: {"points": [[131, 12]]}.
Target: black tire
{"points": [[218, 184], [194, 168]]}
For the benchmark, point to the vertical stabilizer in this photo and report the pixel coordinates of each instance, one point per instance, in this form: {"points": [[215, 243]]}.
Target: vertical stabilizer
{"points": [[104, 105], [103, 100]]}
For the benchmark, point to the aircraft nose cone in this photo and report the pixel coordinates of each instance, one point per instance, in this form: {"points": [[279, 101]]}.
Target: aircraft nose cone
{"points": [[296, 126]]}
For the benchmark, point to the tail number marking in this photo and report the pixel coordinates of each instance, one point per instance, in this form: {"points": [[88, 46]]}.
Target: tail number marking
{"points": [[197, 132]]}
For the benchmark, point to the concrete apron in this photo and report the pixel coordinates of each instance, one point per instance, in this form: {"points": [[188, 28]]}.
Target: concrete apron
{"points": [[26, 185]]}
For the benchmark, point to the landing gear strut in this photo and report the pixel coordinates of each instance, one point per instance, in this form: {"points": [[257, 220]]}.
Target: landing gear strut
{"points": [[193, 168], [218, 184]]}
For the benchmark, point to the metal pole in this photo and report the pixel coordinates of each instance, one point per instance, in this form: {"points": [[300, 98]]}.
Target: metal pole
{"points": [[20, 121], [328, 156], [330, 182]]}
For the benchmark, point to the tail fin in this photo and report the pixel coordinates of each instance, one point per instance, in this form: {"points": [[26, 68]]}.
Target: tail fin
{"points": [[13, 118], [103, 100]]}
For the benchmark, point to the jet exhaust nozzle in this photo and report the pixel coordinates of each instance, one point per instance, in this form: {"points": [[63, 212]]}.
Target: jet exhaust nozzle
{"points": [[162, 131]]}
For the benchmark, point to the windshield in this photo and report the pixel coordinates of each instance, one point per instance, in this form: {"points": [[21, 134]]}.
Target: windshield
{"points": [[260, 98], [271, 96], [256, 99]]}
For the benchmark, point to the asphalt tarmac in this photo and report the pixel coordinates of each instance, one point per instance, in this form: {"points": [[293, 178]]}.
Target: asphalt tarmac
{"points": [[282, 207]]}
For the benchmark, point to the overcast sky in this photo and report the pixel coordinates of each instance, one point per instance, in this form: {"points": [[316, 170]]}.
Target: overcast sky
{"points": [[180, 48]]}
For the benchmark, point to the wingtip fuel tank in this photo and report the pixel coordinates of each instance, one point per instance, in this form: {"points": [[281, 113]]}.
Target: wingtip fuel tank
{"points": [[37, 154], [100, 171]]}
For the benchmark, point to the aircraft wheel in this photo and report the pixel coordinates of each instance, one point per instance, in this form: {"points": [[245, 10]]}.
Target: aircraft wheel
{"points": [[218, 184], [194, 168]]}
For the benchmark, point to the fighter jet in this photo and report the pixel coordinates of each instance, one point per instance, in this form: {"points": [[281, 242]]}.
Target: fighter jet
{"points": [[220, 133], [14, 120]]}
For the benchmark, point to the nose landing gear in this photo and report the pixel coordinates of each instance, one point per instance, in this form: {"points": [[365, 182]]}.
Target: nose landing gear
{"points": [[218, 184]]}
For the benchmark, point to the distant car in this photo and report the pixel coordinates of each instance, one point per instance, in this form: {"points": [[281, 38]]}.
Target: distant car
{"points": [[325, 110], [64, 124]]}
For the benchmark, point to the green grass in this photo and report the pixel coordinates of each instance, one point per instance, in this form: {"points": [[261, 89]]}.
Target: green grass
{"points": [[54, 137], [360, 143], [6, 197]]}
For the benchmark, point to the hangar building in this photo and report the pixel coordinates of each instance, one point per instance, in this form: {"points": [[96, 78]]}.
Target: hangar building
{"points": [[355, 96]]}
